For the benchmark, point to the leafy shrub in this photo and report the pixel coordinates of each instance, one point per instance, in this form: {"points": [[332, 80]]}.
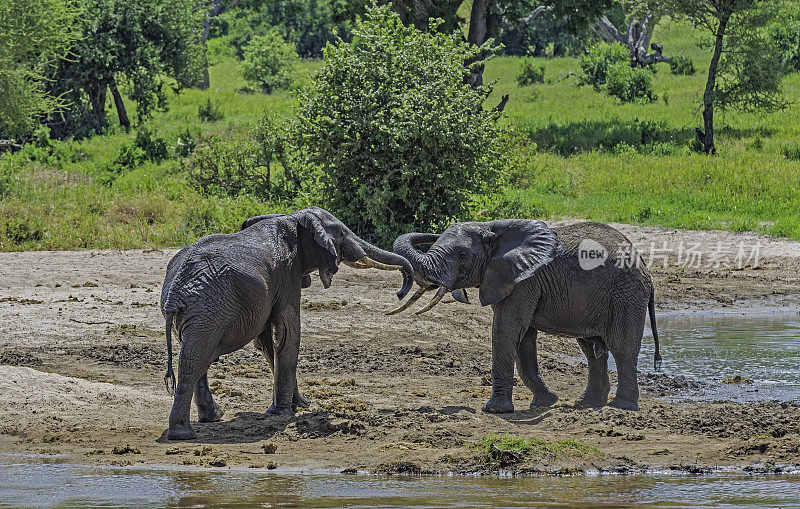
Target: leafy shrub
{"points": [[20, 229], [785, 39], [681, 66], [791, 152], [269, 62], [243, 165], [308, 24], [546, 31], [210, 111], [402, 143], [530, 73], [597, 61], [147, 146], [186, 143], [630, 84], [505, 207]]}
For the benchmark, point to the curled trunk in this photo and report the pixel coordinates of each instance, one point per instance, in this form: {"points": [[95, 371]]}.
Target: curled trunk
{"points": [[421, 262], [389, 258]]}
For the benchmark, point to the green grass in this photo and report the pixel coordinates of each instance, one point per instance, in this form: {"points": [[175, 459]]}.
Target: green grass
{"points": [[595, 159], [505, 450]]}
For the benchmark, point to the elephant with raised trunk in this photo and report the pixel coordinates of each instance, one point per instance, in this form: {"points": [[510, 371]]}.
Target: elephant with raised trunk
{"points": [[585, 281], [225, 291]]}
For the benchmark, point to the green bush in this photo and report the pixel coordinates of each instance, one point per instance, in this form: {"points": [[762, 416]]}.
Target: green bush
{"points": [[243, 165], [681, 66], [146, 146], [791, 152], [210, 111], [785, 38], [530, 73], [269, 62], [20, 229], [597, 61], [630, 84], [402, 143]]}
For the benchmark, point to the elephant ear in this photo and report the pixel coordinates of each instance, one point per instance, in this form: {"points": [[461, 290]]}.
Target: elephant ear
{"points": [[329, 257], [519, 248]]}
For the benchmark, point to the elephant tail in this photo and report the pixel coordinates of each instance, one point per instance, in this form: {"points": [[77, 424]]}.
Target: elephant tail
{"points": [[169, 378], [651, 307]]}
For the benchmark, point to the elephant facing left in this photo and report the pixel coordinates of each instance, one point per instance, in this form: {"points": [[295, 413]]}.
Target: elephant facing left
{"points": [[227, 290]]}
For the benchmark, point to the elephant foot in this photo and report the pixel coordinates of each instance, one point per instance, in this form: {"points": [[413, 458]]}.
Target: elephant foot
{"points": [[624, 404], [543, 398], [274, 410], [181, 432], [497, 405], [300, 402], [591, 402], [210, 415]]}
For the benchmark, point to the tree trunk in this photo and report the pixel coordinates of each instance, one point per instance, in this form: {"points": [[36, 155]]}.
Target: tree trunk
{"points": [[215, 8], [98, 99], [636, 38], [708, 95], [121, 113], [483, 25]]}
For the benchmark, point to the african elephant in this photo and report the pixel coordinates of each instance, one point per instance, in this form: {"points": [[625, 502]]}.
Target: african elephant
{"points": [[227, 290], [585, 281]]}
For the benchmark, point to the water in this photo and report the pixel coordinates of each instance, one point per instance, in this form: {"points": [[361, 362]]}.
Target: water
{"points": [[42, 482], [765, 349]]}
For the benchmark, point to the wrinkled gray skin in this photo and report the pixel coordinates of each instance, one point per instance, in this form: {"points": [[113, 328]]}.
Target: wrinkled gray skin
{"points": [[227, 290], [531, 276]]}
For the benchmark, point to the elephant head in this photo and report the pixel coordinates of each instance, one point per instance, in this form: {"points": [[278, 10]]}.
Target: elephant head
{"points": [[325, 242], [492, 256]]}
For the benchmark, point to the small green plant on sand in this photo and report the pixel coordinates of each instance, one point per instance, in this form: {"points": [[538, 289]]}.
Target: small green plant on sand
{"points": [[504, 450]]}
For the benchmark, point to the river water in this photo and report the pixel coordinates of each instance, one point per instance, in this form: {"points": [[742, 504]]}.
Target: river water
{"points": [[50, 482], [706, 348]]}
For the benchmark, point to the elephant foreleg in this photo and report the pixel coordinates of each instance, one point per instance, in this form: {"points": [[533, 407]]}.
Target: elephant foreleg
{"points": [[286, 346], [207, 409], [598, 386], [505, 338], [528, 369], [265, 345]]}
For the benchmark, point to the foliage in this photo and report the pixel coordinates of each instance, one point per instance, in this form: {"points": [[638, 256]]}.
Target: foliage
{"points": [[630, 84], [210, 111], [791, 152], [33, 35], [597, 60], [401, 141], [530, 73], [308, 24], [138, 44], [534, 38], [269, 62], [681, 66], [146, 146], [785, 39], [244, 164]]}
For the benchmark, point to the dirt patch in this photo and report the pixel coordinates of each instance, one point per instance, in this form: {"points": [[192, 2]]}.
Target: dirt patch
{"points": [[82, 359]]}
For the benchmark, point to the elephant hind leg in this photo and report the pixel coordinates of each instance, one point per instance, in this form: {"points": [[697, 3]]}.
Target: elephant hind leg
{"points": [[624, 344], [598, 386], [207, 408], [193, 363], [528, 369]]}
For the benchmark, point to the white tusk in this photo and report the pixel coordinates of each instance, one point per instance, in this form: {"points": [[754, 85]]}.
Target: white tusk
{"points": [[435, 300], [355, 265], [414, 298], [369, 263]]}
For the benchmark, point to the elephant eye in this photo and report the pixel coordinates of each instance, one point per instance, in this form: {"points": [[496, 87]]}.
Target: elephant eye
{"points": [[462, 255]]}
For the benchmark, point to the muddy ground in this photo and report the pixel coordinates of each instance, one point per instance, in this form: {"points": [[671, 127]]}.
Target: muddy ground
{"points": [[82, 358]]}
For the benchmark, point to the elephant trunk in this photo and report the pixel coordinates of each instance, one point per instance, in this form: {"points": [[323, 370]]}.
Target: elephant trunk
{"points": [[387, 258], [424, 266]]}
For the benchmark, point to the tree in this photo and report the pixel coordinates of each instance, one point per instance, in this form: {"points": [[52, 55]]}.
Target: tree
{"points": [[745, 72], [136, 43], [401, 141], [33, 34]]}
